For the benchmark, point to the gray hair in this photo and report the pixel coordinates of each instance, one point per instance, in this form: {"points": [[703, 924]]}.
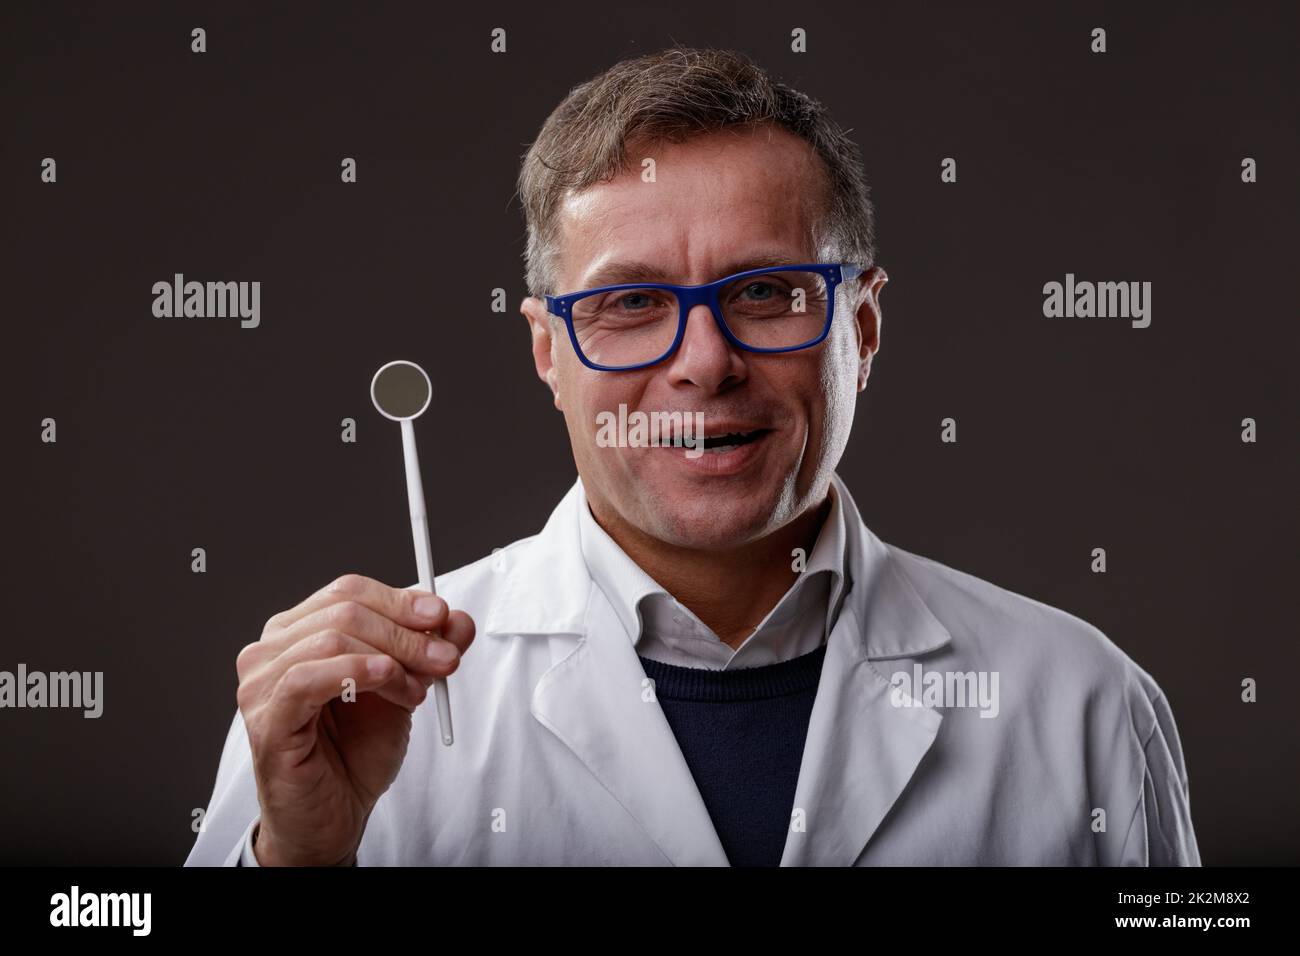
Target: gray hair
{"points": [[670, 96]]}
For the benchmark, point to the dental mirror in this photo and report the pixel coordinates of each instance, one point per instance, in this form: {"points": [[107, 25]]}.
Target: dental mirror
{"points": [[401, 392]]}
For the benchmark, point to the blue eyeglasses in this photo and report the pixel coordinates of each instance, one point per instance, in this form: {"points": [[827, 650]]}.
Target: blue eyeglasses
{"points": [[617, 328]]}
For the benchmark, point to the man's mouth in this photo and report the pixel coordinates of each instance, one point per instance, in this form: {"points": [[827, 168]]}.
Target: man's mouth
{"points": [[724, 442]]}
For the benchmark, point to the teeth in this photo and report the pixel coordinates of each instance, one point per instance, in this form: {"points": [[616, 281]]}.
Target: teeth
{"points": [[720, 449], [677, 442]]}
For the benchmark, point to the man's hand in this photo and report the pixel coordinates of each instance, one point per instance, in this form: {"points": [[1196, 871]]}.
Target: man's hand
{"points": [[321, 762]]}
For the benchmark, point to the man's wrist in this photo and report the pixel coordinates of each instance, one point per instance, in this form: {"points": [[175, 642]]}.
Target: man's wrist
{"points": [[246, 855], [252, 842], [264, 848], [266, 854]]}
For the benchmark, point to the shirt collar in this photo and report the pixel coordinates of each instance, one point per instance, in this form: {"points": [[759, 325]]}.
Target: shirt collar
{"points": [[545, 587]]}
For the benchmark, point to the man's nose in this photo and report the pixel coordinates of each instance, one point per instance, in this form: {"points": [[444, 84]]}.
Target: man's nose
{"points": [[705, 357]]}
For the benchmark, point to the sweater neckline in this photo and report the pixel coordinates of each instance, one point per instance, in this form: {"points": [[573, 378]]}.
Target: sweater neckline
{"points": [[797, 675]]}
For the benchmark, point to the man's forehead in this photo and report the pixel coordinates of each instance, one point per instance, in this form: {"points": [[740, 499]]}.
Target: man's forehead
{"points": [[736, 200], [612, 271]]}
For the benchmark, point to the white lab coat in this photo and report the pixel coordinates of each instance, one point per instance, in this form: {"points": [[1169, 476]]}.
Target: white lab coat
{"points": [[562, 758]]}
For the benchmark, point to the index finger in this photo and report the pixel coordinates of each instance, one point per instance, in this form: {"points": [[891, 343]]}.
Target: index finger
{"points": [[402, 606]]}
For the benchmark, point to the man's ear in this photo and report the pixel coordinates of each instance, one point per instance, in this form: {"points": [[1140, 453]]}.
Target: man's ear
{"points": [[869, 319], [539, 324]]}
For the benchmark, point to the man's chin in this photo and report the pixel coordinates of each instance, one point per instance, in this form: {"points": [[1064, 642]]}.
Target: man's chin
{"points": [[706, 524]]}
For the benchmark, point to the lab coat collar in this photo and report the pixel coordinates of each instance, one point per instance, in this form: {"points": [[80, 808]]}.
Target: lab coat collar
{"points": [[548, 587], [861, 750]]}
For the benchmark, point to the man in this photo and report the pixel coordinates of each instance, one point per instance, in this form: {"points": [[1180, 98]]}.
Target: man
{"points": [[705, 657]]}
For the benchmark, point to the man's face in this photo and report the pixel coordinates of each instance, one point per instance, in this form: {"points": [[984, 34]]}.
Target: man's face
{"points": [[720, 204]]}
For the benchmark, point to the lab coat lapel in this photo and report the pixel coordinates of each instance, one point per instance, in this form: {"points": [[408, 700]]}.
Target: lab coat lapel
{"points": [[597, 702], [862, 749], [593, 700]]}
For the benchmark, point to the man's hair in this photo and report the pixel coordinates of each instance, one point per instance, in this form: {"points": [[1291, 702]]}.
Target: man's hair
{"points": [[671, 96]]}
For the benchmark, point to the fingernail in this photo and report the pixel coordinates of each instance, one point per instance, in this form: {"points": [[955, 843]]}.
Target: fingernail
{"points": [[439, 652], [427, 606]]}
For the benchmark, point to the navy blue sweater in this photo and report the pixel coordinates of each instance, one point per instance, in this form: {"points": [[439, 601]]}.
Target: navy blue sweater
{"points": [[742, 733]]}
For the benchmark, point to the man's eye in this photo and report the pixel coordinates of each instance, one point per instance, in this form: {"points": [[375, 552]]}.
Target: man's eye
{"points": [[761, 290]]}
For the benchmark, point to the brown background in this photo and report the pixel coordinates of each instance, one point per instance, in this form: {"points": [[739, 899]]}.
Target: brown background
{"points": [[176, 434]]}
